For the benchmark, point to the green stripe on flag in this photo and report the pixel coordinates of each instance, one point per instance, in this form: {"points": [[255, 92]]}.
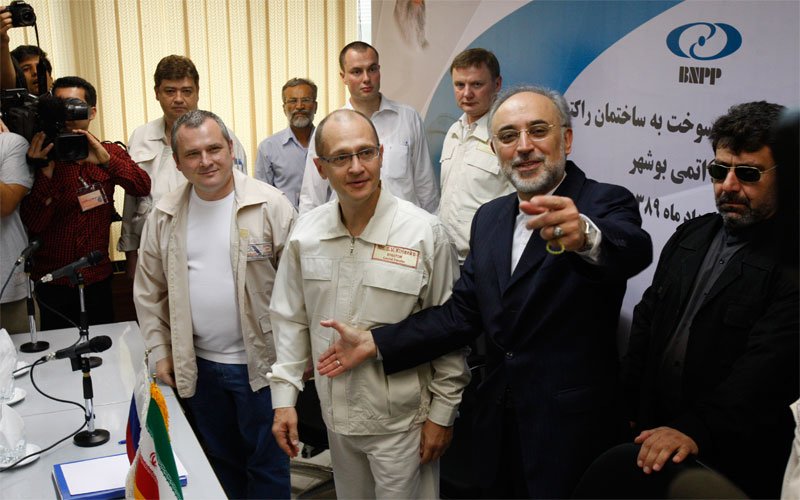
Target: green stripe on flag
{"points": [[166, 460]]}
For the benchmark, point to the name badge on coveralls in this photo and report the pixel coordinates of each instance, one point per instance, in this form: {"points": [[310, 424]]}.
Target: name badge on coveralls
{"points": [[407, 257]]}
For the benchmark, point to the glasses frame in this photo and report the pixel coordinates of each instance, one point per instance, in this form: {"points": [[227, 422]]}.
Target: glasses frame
{"points": [[550, 127], [347, 159], [736, 170], [294, 102]]}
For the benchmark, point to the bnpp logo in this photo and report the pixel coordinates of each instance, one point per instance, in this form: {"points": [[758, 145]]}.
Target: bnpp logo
{"points": [[705, 41]]}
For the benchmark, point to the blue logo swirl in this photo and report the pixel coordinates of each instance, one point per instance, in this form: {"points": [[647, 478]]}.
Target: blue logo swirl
{"points": [[732, 43]]}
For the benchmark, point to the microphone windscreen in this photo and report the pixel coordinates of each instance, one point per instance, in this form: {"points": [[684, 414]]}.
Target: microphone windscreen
{"points": [[100, 343], [94, 257]]}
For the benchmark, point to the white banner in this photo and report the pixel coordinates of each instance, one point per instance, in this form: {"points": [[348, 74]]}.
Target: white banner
{"points": [[645, 81]]}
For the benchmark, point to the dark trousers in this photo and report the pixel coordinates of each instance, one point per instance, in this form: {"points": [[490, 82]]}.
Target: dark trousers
{"points": [[510, 480], [236, 426], [65, 300], [614, 474]]}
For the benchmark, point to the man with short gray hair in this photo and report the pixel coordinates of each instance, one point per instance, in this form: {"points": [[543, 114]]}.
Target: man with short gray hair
{"points": [[210, 251], [281, 157]]}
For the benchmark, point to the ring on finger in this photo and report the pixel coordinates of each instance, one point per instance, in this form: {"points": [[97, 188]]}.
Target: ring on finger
{"points": [[558, 232], [338, 363]]}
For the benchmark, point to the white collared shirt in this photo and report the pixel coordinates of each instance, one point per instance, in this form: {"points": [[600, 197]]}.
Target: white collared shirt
{"points": [[406, 172]]}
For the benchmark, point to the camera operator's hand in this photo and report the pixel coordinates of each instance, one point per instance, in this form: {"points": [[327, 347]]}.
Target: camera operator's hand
{"points": [[5, 25], [97, 153], [38, 152]]}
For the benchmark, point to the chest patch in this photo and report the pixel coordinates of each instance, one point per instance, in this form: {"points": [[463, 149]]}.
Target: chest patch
{"points": [[259, 251]]}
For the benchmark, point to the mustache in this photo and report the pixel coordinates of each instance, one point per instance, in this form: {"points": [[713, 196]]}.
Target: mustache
{"points": [[526, 157], [726, 197]]}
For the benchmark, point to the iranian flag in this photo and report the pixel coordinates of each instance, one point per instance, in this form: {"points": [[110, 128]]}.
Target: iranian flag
{"points": [[153, 474]]}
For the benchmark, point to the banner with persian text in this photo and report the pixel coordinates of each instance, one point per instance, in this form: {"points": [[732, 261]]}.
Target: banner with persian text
{"points": [[644, 81]]}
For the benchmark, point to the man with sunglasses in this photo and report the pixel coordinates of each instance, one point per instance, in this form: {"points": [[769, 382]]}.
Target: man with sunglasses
{"points": [[368, 258], [712, 365]]}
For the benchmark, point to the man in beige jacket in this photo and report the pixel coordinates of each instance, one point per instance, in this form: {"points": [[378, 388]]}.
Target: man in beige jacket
{"points": [[369, 259], [210, 250]]}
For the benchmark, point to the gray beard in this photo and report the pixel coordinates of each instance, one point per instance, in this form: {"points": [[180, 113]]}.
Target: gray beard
{"points": [[551, 173], [301, 121]]}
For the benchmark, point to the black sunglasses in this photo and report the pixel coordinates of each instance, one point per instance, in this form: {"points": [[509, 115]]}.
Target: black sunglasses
{"points": [[744, 173]]}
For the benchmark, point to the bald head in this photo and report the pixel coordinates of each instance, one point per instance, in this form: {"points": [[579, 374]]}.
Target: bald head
{"points": [[340, 118]]}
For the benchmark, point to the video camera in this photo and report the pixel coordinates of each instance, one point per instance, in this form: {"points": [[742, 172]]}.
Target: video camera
{"points": [[26, 115]]}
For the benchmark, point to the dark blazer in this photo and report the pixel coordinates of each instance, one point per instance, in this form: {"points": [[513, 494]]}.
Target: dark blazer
{"points": [[741, 366], [550, 334]]}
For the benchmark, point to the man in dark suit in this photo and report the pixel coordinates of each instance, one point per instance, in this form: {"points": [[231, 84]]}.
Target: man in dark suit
{"points": [[548, 303], [712, 365]]}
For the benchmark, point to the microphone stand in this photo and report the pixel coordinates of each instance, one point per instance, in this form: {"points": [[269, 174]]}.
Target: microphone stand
{"points": [[91, 436], [83, 329], [34, 345]]}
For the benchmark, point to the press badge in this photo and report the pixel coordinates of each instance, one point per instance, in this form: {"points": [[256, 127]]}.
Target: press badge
{"points": [[259, 251], [92, 196]]}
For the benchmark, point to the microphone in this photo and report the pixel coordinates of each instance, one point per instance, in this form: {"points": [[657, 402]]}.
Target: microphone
{"points": [[32, 247], [87, 260], [95, 344]]}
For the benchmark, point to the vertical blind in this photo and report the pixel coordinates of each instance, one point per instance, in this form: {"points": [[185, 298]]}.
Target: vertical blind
{"points": [[244, 50]]}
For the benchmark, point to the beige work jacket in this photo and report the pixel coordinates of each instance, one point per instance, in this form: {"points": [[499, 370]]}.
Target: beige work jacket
{"points": [[403, 261], [263, 218], [471, 176]]}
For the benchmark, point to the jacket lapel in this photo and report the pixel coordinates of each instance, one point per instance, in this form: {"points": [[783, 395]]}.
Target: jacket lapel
{"points": [[697, 245], [759, 237], [501, 237]]}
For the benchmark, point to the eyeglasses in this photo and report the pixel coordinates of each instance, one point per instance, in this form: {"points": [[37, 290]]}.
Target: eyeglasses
{"points": [[744, 173], [537, 132], [365, 155], [293, 102]]}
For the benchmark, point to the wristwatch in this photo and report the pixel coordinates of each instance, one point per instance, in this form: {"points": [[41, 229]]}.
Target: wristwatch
{"points": [[589, 233]]}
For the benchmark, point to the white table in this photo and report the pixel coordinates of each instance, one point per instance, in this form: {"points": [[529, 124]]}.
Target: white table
{"points": [[47, 421]]}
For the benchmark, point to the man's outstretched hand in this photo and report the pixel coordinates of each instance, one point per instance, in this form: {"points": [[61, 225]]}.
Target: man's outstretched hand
{"points": [[349, 351]]}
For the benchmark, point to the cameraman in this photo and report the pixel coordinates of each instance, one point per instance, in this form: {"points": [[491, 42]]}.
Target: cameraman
{"points": [[16, 179], [19, 68], [70, 207]]}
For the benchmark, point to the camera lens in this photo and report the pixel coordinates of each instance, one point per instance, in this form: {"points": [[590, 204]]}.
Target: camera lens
{"points": [[27, 17]]}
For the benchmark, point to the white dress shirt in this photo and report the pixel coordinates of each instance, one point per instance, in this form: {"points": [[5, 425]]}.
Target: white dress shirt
{"points": [[523, 234], [406, 172]]}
